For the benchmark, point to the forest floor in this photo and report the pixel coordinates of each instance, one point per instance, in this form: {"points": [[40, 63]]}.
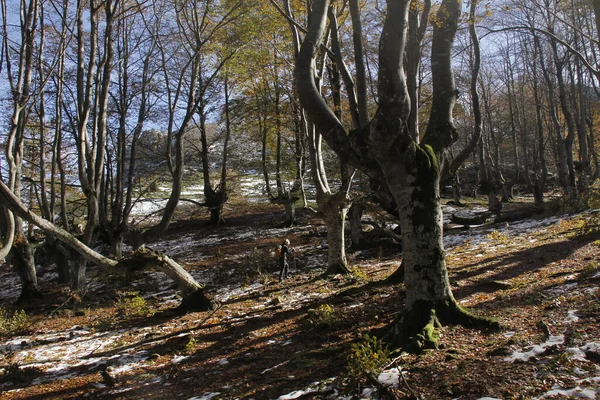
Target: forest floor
{"points": [[283, 340]]}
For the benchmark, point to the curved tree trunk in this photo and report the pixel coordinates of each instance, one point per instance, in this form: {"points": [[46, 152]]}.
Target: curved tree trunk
{"points": [[410, 170], [193, 293], [7, 231], [334, 209]]}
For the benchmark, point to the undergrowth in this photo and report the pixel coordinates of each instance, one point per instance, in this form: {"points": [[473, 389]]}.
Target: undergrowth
{"points": [[132, 305], [13, 322], [366, 359], [325, 317]]}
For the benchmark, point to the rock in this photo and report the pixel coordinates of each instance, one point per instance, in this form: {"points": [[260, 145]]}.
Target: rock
{"points": [[277, 301], [108, 375], [500, 351]]}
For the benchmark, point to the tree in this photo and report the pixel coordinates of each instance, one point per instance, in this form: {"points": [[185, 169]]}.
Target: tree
{"points": [[410, 169], [184, 34], [23, 96], [133, 99], [193, 293]]}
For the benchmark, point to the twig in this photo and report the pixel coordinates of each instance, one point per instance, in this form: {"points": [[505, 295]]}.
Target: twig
{"points": [[410, 390], [383, 389], [394, 362]]}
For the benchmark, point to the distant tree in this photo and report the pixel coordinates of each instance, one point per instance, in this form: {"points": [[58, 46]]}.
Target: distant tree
{"points": [[133, 98]]}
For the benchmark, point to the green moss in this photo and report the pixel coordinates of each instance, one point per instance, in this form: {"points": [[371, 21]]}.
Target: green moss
{"points": [[429, 337], [419, 328]]}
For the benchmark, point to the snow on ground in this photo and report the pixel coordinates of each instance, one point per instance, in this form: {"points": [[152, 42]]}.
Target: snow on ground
{"points": [[64, 354], [61, 355], [477, 236], [145, 207]]}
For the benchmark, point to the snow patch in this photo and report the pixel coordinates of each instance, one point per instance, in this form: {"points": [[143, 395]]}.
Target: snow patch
{"points": [[575, 393], [536, 349], [206, 396]]}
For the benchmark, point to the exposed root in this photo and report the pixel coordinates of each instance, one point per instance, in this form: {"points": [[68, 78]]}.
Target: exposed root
{"points": [[338, 268], [452, 313], [417, 329], [397, 276]]}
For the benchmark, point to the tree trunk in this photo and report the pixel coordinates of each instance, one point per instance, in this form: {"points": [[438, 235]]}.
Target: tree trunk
{"points": [[61, 256], [334, 210], [194, 297], [7, 231], [192, 292], [417, 26], [355, 219], [411, 171], [21, 257]]}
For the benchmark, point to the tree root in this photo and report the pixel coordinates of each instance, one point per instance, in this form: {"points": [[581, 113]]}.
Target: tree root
{"points": [[417, 329], [397, 276], [338, 268]]}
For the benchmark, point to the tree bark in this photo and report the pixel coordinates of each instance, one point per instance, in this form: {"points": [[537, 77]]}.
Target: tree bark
{"points": [[409, 169], [7, 231], [418, 16], [193, 293], [22, 260]]}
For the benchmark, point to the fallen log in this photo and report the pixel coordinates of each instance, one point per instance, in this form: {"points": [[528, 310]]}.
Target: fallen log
{"points": [[516, 215], [193, 296], [467, 220]]}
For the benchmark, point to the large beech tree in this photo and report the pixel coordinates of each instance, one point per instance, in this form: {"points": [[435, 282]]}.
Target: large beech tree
{"points": [[410, 168]]}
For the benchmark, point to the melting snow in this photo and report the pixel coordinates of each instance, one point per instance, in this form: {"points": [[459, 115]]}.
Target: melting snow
{"points": [[390, 377], [206, 396], [536, 349], [576, 393]]}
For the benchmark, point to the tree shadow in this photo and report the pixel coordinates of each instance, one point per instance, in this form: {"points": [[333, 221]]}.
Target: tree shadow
{"points": [[512, 265]]}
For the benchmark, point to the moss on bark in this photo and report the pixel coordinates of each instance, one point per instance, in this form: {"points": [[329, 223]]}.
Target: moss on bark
{"points": [[418, 329]]}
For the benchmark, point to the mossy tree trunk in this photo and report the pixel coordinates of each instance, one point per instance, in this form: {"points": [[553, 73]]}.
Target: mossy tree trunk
{"points": [[409, 169]]}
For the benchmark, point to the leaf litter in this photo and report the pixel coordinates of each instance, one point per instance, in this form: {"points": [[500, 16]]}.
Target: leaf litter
{"points": [[258, 345]]}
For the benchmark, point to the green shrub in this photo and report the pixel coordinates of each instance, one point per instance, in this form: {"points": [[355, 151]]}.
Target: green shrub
{"points": [[13, 322], [324, 317], [368, 357], [359, 275], [190, 346], [499, 237], [132, 305]]}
